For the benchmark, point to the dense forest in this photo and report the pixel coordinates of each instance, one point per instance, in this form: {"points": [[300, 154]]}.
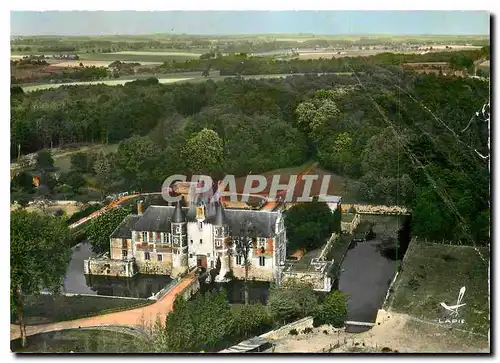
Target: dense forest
{"points": [[408, 139]]}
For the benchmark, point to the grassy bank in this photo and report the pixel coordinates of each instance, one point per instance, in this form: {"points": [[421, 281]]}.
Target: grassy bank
{"points": [[49, 309], [434, 273], [81, 341]]}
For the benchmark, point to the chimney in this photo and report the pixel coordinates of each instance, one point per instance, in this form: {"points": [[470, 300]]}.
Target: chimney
{"points": [[139, 208]]}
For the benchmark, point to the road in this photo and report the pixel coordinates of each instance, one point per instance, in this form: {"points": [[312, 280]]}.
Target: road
{"points": [[136, 317]]}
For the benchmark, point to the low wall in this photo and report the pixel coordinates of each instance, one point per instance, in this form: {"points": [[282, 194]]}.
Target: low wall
{"points": [[284, 331], [328, 246], [349, 227], [107, 267], [375, 209], [154, 268]]}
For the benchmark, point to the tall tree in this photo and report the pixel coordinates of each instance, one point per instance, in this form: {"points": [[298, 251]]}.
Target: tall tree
{"points": [[243, 246], [100, 228], [44, 160], [204, 153], [39, 257]]}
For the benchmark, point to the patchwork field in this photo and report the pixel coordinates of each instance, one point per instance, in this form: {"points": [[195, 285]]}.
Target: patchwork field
{"points": [[165, 53], [434, 273], [92, 63]]}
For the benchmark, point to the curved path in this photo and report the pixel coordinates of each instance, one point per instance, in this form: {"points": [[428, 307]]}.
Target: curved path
{"points": [[136, 317]]}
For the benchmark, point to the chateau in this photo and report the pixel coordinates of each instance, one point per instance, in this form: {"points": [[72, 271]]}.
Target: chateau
{"points": [[170, 240]]}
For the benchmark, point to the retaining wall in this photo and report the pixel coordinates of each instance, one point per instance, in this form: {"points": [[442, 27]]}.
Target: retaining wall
{"points": [[284, 331]]}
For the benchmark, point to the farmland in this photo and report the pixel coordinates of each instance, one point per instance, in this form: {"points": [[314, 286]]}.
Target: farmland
{"points": [[112, 82]]}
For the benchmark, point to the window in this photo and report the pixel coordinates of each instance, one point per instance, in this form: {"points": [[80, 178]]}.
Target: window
{"points": [[208, 254], [146, 256], [200, 225], [124, 253], [160, 257], [212, 264], [201, 241], [162, 237], [239, 260], [191, 241], [218, 243], [261, 242], [190, 255], [262, 261], [144, 236], [124, 243]]}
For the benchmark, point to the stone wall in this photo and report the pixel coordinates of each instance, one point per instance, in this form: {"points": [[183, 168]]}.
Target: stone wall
{"points": [[284, 331], [349, 227], [107, 267], [375, 209], [154, 267], [324, 252], [191, 289], [260, 274], [317, 280]]}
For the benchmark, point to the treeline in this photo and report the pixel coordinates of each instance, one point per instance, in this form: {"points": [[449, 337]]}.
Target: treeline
{"points": [[398, 133], [242, 64]]}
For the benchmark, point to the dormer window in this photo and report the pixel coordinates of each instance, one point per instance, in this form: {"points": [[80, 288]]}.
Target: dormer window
{"points": [[144, 236]]}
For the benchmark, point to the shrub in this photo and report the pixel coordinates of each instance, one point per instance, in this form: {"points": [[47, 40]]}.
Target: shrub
{"points": [[333, 310], [308, 330], [325, 332], [294, 332]]}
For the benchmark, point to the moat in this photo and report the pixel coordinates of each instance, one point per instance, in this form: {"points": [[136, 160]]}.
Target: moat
{"points": [[144, 286]]}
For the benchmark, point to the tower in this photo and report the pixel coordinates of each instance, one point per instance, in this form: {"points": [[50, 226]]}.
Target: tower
{"points": [[221, 234], [178, 226]]}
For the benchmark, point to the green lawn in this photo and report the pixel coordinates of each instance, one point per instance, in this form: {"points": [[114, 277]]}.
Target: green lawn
{"points": [[48, 309], [82, 341], [62, 160], [434, 273]]}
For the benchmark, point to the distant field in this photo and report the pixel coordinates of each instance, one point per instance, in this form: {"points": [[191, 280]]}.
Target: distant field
{"points": [[112, 82], [157, 57], [165, 53], [434, 273], [90, 63]]}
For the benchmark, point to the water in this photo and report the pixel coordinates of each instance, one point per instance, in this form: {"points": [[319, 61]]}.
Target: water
{"points": [[365, 278], [367, 271], [139, 286]]}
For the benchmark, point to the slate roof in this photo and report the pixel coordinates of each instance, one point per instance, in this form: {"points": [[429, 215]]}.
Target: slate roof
{"points": [[157, 219], [178, 216], [263, 221], [124, 230], [220, 216]]}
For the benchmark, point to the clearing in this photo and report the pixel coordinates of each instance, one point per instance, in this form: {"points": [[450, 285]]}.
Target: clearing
{"points": [[434, 273], [394, 331]]}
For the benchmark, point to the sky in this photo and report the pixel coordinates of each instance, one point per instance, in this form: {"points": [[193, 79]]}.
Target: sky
{"points": [[249, 22]]}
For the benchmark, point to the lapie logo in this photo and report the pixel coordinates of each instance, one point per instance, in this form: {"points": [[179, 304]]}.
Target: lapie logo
{"points": [[453, 309]]}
